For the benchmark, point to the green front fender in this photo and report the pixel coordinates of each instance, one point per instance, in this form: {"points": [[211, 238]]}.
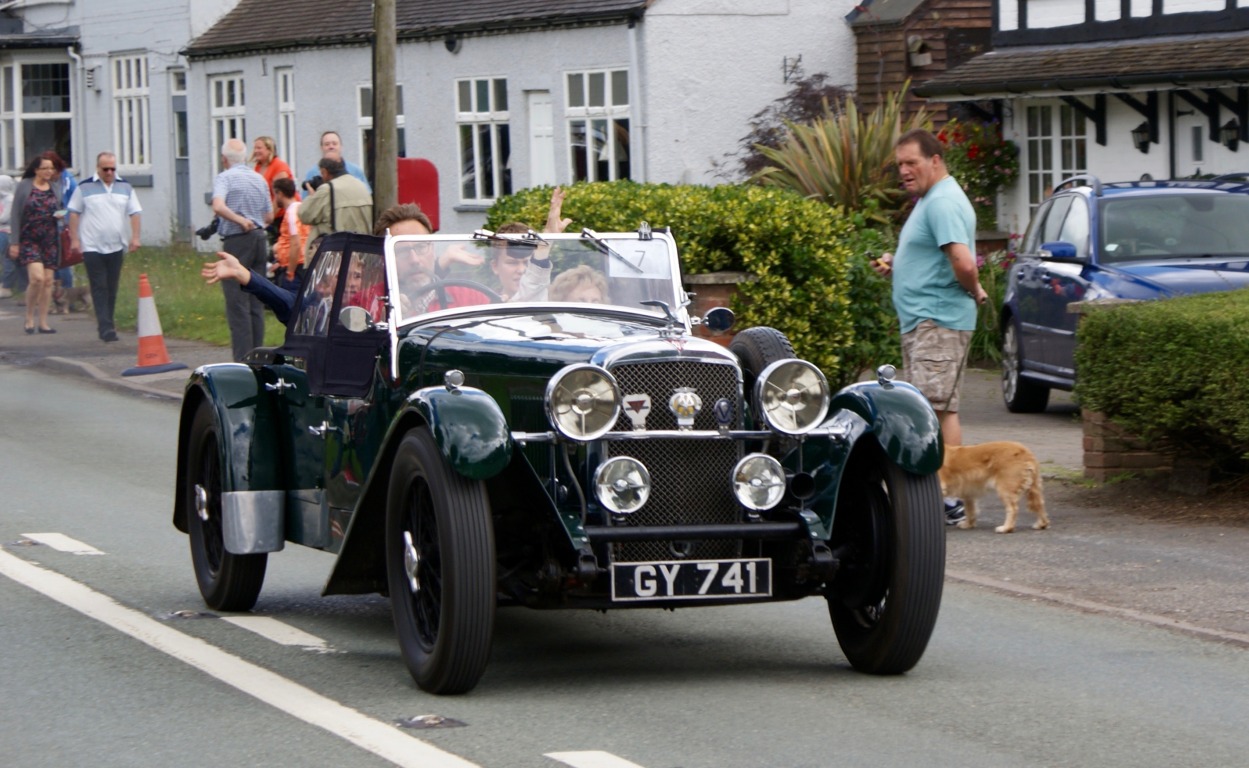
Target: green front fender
{"points": [[902, 419], [469, 427], [247, 426]]}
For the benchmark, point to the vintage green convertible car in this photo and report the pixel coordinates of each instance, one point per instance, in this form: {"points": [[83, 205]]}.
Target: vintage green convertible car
{"points": [[471, 422]]}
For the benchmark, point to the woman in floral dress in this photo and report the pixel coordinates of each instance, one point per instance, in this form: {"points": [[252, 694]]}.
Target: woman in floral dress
{"points": [[35, 243]]}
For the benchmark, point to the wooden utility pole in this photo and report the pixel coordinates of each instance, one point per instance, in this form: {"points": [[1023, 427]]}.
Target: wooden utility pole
{"points": [[385, 110]]}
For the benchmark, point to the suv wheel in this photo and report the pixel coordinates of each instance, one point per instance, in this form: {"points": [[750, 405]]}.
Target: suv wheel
{"points": [[1020, 394]]}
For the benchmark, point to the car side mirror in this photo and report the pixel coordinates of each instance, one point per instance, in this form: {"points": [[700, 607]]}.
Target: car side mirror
{"points": [[1060, 251], [356, 319], [718, 319]]}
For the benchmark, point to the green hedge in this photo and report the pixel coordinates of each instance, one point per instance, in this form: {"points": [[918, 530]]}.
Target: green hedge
{"points": [[808, 258], [1175, 369]]}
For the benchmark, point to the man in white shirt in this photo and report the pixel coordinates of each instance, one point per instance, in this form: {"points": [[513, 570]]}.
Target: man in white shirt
{"points": [[104, 224]]}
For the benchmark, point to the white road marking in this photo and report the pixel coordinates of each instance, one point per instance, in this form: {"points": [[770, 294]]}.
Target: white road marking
{"points": [[278, 632], [591, 760], [375, 736], [63, 543]]}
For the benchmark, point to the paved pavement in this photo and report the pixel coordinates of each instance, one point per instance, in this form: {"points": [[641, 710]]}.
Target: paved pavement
{"points": [[1054, 436]]}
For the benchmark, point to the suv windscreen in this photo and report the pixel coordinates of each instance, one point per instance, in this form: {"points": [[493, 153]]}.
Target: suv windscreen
{"points": [[1174, 226]]}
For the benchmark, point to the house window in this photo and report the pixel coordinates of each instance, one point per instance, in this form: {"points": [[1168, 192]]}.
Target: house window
{"points": [[598, 125], [1057, 148], [365, 123], [482, 120], [35, 112], [227, 110], [131, 112], [286, 114], [177, 95]]}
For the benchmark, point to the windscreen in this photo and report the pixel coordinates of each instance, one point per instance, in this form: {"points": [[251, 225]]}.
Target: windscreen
{"points": [[1174, 227], [435, 273]]}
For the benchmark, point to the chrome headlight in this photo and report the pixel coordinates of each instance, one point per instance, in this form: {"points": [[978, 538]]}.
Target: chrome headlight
{"points": [[622, 484], [758, 481], [793, 396], [583, 402]]}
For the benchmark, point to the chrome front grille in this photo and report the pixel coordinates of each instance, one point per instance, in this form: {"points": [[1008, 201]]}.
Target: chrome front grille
{"points": [[690, 478]]}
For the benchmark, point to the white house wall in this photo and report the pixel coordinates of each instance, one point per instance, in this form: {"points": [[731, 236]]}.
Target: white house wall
{"points": [[701, 69], [156, 28], [712, 65], [1120, 160]]}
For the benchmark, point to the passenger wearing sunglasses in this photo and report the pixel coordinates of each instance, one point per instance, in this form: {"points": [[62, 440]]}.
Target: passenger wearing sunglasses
{"points": [[104, 225]]}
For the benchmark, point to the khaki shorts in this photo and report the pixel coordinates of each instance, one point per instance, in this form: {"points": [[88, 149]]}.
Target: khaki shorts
{"points": [[933, 359]]}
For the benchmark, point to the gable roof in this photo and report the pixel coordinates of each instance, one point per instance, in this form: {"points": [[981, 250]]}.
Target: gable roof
{"points": [[1170, 63], [259, 25], [869, 12]]}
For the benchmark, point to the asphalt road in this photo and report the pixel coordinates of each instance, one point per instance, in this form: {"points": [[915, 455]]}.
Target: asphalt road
{"points": [[1039, 657]]}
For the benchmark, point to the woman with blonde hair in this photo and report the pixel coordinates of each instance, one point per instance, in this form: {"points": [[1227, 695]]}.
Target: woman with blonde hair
{"points": [[272, 167], [581, 283]]}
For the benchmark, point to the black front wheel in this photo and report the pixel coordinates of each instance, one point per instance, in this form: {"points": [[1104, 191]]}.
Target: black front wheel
{"points": [[227, 581], [440, 567], [889, 536]]}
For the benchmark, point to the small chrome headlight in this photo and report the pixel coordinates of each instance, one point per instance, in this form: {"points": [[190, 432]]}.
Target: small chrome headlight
{"points": [[622, 484], [758, 481], [793, 396], [583, 402]]}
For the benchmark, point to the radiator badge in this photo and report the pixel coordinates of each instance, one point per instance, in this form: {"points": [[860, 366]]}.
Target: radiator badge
{"points": [[723, 411], [636, 407], [685, 405]]}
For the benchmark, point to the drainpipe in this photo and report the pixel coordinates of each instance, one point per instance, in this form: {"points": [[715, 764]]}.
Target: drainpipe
{"points": [[75, 121], [635, 98]]}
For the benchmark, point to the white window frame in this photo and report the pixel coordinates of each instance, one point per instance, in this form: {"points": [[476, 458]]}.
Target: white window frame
{"points": [[582, 117], [17, 111], [1055, 148], [129, 79], [284, 80], [181, 142], [227, 109], [483, 128], [364, 122]]}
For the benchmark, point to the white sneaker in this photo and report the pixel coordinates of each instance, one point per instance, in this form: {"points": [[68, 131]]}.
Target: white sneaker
{"points": [[5, 293]]}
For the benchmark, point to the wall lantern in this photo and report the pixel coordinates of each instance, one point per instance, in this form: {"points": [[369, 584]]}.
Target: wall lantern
{"points": [[917, 51], [1140, 137], [1229, 135]]}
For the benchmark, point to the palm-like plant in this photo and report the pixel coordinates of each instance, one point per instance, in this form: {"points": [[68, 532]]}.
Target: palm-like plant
{"points": [[845, 158]]}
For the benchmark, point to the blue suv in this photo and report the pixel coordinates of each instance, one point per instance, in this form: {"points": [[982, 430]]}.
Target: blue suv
{"points": [[1127, 240]]}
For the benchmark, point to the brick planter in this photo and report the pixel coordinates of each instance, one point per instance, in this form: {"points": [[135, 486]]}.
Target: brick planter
{"points": [[714, 289], [1109, 451]]}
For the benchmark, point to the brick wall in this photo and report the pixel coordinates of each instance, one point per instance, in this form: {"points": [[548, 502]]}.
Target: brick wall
{"points": [[1110, 451]]}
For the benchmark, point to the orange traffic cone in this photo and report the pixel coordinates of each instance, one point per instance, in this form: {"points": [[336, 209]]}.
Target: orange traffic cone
{"points": [[153, 357]]}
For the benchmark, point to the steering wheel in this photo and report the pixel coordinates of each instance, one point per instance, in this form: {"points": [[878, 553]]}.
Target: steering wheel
{"points": [[437, 285]]}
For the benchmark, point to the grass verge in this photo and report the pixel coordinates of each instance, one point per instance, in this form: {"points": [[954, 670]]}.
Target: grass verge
{"points": [[188, 308]]}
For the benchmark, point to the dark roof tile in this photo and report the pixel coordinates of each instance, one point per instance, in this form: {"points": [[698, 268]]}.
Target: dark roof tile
{"points": [[253, 25], [1135, 65]]}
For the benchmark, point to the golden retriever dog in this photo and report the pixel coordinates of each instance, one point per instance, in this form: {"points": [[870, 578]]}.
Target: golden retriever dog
{"points": [[1009, 467]]}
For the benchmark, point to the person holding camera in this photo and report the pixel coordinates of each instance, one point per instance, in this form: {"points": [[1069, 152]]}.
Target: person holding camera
{"points": [[341, 204], [241, 202]]}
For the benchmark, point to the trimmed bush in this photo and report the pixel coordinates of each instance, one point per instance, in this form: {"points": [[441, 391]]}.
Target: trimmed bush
{"points": [[1173, 369], [805, 254]]}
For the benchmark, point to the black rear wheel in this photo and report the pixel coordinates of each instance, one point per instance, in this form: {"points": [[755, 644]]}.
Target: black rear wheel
{"points": [[227, 581], [440, 568], [889, 536]]}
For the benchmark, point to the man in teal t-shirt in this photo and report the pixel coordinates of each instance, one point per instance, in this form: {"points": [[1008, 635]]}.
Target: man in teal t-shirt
{"points": [[936, 285]]}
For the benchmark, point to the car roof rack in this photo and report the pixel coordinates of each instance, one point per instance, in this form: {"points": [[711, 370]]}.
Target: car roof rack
{"points": [[1092, 180]]}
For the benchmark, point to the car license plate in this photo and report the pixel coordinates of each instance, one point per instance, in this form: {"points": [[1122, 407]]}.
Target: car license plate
{"points": [[691, 580]]}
